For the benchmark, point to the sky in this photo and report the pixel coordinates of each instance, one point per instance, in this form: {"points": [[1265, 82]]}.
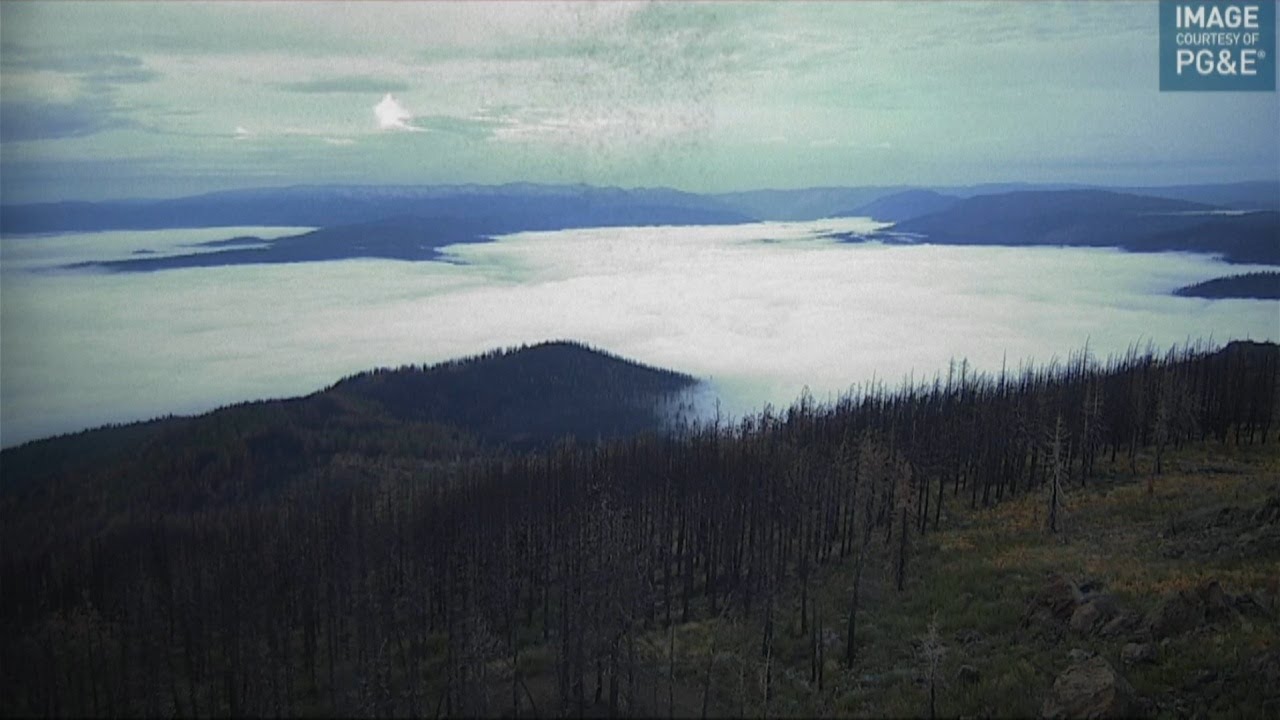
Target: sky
{"points": [[114, 99]]}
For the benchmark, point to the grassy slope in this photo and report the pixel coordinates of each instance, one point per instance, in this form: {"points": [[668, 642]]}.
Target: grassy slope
{"points": [[1117, 535], [978, 576]]}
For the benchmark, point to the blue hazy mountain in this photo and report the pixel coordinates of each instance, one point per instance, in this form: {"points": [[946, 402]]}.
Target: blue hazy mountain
{"points": [[1254, 195], [903, 206], [1248, 237], [528, 206], [902, 201], [1100, 218], [500, 208], [413, 222], [803, 203], [404, 237]]}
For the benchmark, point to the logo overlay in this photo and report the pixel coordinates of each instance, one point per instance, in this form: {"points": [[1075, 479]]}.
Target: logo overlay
{"points": [[1218, 45]]}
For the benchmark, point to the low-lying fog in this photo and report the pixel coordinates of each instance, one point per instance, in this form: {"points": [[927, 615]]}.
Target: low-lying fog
{"points": [[760, 310]]}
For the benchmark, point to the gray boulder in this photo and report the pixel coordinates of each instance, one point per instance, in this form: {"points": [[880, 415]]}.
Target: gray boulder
{"points": [[1134, 653], [1056, 600], [1094, 613], [1090, 688]]}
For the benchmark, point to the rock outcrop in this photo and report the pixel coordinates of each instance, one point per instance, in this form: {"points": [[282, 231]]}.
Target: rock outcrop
{"points": [[1090, 688]]}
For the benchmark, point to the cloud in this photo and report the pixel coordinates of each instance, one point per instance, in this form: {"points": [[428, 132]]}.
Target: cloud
{"points": [[695, 95], [480, 126], [392, 115], [243, 133], [350, 84], [34, 120], [92, 67], [52, 96], [760, 319]]}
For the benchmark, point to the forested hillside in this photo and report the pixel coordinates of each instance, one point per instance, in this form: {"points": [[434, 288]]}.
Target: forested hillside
{"points": [[1263, 285], [556, 581], [408, 417]]}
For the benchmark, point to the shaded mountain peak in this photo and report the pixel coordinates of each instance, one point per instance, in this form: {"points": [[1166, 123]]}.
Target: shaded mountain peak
{"points": [[528, 395]]}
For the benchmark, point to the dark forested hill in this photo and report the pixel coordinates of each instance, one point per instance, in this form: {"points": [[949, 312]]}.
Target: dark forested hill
{"points": [[347, 554], [519, 398], [1258, 285], [1101, 218], [528, 396], [182, 573]]}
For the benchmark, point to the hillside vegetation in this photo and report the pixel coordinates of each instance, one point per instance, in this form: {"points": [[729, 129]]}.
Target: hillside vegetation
{"points": [[1257, 285], [1083, 538]]}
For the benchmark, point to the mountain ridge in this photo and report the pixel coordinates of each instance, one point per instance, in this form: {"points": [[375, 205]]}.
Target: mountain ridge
{"points": [[1099, 218], [333, 204], [579, 388]]}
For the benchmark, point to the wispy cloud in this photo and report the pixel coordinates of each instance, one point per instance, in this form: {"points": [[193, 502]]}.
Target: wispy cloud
{"points": [[696, 95], [51, 96], [22, 120], [243, 133], [481, 125], [92, 67], [363, 84]]}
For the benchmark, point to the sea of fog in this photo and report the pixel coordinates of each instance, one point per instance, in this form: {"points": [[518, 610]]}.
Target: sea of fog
{"points": [[760, 310]]}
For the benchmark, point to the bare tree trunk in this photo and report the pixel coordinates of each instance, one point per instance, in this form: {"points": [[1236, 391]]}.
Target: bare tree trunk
{"points": [[671, 671], [853, 605]]}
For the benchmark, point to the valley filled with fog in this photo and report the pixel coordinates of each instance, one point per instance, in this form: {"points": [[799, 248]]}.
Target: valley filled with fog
{"points": [[758, 310]]}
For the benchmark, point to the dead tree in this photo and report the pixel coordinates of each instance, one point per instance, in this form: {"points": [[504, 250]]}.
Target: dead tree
{"points": [[1056, 510]]}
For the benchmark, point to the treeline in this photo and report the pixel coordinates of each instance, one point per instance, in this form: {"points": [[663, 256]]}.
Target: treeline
{"points": [[529, 396], [1263, 285], [533, 584]]}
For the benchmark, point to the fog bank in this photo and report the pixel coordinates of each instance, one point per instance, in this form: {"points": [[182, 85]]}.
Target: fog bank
{"points": [[759, 310]]}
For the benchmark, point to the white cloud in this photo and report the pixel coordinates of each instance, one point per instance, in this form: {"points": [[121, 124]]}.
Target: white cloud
{"points": [[392, 115], [761, 319], [244, 133]]}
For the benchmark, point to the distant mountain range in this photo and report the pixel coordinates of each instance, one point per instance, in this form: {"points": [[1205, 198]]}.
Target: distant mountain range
{"points": [[498, 209], [1239, 221], [403, 237], [903, 206], [1098, 218], [528, 206]]}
